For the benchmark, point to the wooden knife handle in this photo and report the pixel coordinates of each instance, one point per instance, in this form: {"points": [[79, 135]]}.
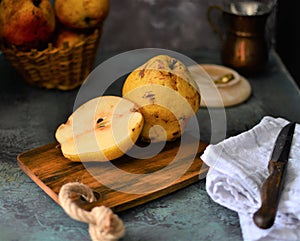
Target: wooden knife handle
{"points": [[264, 217]]}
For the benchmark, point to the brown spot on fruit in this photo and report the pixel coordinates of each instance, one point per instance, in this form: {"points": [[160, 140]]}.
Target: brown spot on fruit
{"points": [[133, 109], [175, 133], [142, 73], [172, 65], [165, 120], [182, 118], [149, 95], [173, 82], [87, 20]]}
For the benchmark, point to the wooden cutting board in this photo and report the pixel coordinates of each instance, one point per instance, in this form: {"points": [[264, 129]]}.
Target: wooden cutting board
{"points": [[47, 167]]}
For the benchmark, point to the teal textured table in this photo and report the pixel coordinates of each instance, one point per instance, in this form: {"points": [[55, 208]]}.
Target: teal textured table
{"points": [[29, 117]]}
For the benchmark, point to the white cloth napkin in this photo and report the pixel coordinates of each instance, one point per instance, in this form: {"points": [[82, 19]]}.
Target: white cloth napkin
{"points": [[237, 170]]}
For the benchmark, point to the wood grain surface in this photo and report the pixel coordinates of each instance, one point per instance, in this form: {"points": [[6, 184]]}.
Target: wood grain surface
{"points": [[47, 167]]}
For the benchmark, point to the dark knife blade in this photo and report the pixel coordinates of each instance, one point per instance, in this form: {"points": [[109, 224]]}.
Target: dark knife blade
{"points": [[264, 217]]}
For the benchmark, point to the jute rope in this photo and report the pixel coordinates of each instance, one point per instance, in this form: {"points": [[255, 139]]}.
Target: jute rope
{"points": [[104, 225]]}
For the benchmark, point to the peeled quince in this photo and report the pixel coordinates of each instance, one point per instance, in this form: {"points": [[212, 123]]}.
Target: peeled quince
{"points": [[166, 94], [102, 129]]}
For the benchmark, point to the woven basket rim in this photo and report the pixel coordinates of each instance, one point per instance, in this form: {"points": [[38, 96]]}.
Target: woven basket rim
{"points": [[62, 68], [51, 49]]}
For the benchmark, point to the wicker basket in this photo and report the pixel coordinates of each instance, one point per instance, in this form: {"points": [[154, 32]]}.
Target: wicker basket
{"points": [[56, 68]]}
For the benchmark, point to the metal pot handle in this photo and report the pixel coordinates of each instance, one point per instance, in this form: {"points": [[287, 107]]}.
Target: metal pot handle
{"points": [[211, 22]]}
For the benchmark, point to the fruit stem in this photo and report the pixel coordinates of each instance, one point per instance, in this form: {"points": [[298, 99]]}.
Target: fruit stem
{"points": [[36, 3]]}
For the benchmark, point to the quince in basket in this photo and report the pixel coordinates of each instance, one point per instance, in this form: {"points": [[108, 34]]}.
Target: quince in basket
{"points": [[26, 24], [33, 24], [78, 14], [67, 37]]}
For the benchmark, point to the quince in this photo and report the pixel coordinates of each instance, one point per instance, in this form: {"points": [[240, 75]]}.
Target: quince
{"points": [[167, 95], [101, 129], [81, 14], [26, 24]]}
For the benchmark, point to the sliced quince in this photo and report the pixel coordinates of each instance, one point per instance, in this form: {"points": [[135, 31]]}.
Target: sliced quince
{"points": [[101, 129]]}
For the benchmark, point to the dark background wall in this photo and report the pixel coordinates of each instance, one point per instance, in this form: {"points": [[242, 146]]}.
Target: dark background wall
{"points": [[173, 24], [181, 25], [287, 36]]}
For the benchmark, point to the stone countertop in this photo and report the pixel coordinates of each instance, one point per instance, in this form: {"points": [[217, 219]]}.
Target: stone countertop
{"points": [[29, 118]]}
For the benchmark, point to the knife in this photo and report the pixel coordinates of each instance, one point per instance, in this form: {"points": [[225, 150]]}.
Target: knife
{"points": [[264, 217]]}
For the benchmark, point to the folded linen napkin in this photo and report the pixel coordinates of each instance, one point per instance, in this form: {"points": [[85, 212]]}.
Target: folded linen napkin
{"points": [[237, 170]]}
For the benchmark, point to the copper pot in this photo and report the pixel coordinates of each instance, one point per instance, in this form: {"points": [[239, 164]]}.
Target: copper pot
{"points": [[244, 45]]}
